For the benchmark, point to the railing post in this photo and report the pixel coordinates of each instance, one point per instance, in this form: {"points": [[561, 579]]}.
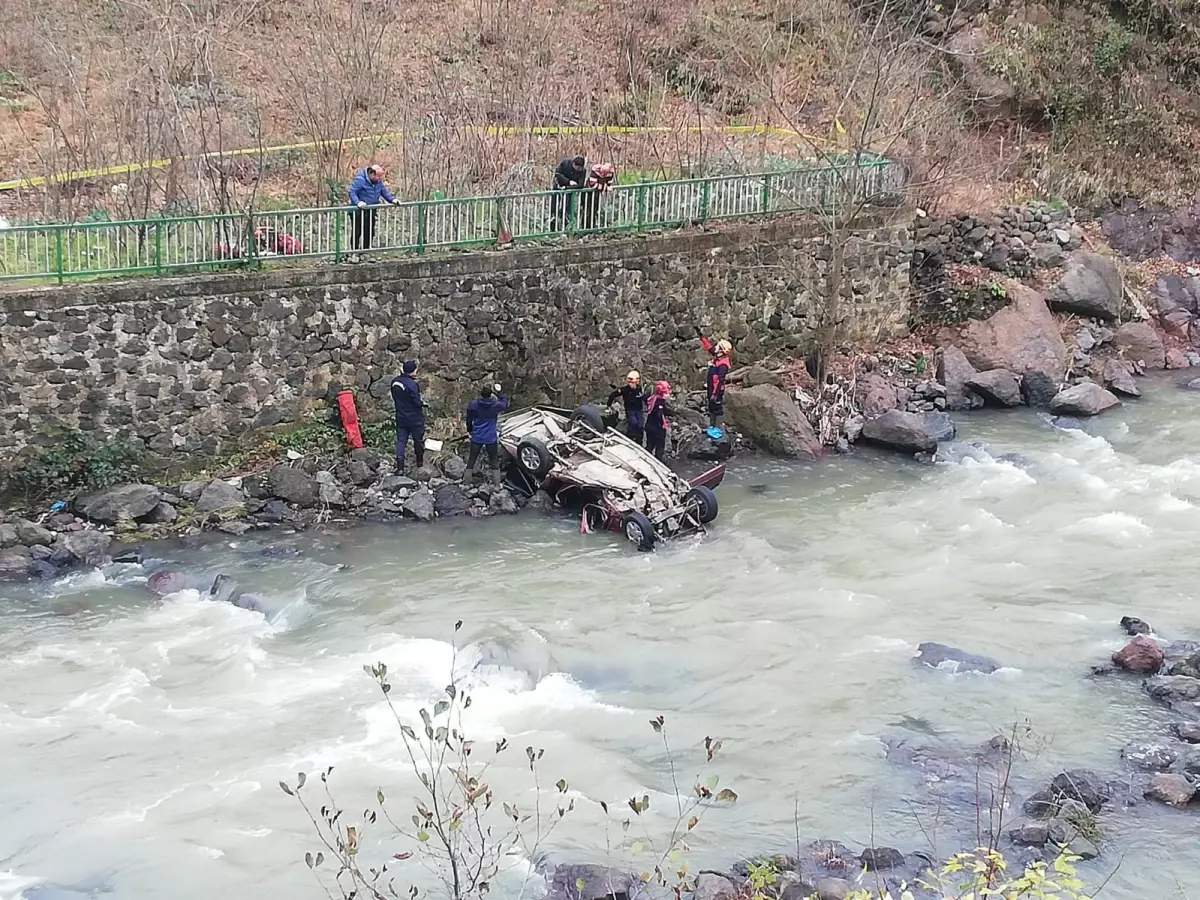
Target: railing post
{"points": [[251, 243], [421, 226], [58, 252], [572, 208], [704, 190], [158, 247], [338, 215], [641, 206], [765, 199]]}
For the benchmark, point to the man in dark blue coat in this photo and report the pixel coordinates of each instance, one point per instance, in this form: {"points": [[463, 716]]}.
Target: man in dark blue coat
{"points": [[482, 413], [410, 415]]}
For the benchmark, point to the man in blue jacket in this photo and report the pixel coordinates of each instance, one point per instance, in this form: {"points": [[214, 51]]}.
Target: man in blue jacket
{"points": [[482, 413], [367, 190], [410, 415]]}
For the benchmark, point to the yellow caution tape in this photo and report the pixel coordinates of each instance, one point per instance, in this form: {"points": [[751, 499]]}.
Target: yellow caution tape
{"points": [[491, 130]]}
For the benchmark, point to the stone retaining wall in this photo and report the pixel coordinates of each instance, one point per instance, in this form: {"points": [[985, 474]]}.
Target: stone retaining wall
{"points": [[192, 365]]}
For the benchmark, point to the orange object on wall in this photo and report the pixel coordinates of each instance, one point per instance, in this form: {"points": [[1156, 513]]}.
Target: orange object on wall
{"points": [[346, 409]]}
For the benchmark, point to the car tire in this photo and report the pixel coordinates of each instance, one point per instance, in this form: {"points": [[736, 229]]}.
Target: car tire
{"points": [[590, 416], [534, 459], [639, 530], [705, 499]]}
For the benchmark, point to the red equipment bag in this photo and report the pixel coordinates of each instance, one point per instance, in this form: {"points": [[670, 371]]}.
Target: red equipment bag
{"points": [[349, 416]]}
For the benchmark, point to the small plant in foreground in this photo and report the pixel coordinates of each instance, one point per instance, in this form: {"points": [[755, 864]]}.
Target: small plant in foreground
{"points": [[982, 874], [77, 462]]}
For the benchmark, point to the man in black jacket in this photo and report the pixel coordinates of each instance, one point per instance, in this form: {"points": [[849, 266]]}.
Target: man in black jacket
{"points": [[634, 397], [410, 415], [569, 175]]}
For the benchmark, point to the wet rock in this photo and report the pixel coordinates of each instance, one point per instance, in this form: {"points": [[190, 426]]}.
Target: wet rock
{"points": [[502, 502], [1178, 323], [1188, 666], [941, 656], [1141, 656], [42, 570], [166, 582], [953, 373], [111, 505], [874, 395], [1177, 359], [572, 882], [939, 426], [392, 483], [451, 500], [87, 547], [1084, 399], [220, 497], [1023, 338], [15, 564], [879, 859], [1030, 834], [330, 494], [294, 486], [421, 505], [1041, 805], [1083, 848], [1172, 789], [8, 536], [902, 431], [999, 387], [1132, 625], [454, 467], [1190, 764], [699, 446], [33, 535], [1118, 376], [1149, 756], [772, 421], [162, 514], [1083, 785], [833, 889], [1090, 286], [275, 511], [1176, 691], [1139, 342], [710, 886], [1187, 731]]}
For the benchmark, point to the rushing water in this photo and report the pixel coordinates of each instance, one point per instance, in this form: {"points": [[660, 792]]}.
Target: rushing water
{"points": [[142, 742]]}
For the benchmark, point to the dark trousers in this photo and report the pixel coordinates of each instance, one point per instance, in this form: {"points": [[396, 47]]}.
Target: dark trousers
{"points": [[656, 443], [635, 426], [493, 455], [560, 208], [403, 433], [716, 410], [589, 208], [362, 227]]}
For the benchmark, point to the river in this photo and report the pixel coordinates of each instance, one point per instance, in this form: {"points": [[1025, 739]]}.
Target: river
{"points": [[143, 743]]}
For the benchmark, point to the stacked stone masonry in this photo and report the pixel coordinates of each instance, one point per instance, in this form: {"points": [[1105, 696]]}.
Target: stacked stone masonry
{"points": [[195, 365]]}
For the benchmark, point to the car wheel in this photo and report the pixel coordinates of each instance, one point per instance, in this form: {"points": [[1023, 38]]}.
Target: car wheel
{"points": [[638, 529], [590, 416], [533, 458], [705, 501]]}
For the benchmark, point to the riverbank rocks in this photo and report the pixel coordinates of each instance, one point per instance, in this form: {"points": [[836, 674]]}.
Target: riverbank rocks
{"points": [[1189, 732], [421, 505], [1141, 656], [586, 882], [875, 395], [1179, 692], [999, 387], [1084, 399], [30, 534], [941, 656], [1090, 286], [87, 547], [1138, 342], [771, 420], [220, 497], [1171, 789], [111, 505], [1149, 756], [1022, 338], [293, 486], [1083, 786], [954, 371], [1118, 378], [904, 432]]}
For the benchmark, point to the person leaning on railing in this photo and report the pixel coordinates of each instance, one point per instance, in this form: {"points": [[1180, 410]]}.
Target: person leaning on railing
{"points": [[367, 191]]}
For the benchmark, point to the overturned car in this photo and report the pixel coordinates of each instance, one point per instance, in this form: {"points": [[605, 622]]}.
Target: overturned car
{"points": [[615, 483]]}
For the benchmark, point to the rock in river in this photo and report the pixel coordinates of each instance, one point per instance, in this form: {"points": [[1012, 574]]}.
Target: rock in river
{"points": [[109, 506], [998, 387], [903, 431], [1084, 399], [1142, 656], [1082, 785], [87, 547], [1134, 626], [1118, 378], [953, 373], [1174, 790], [941, 656], [772, 421], [1149, 756], [1176, 691], [1090, 286], [1139, 342], [591, 883], [1188, 665]]}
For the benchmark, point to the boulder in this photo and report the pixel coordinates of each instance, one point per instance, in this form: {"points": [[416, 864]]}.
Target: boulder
{"points": [[1178, 323], [190, 491], [162, 514], [587, 882], [1023, 338], [219, 497], [1141, 656], [1187, 731], [1179, 692], [167, 581], [87, 547], [454, 467], [711, 886], [502, 502], [1081, 785], [8, 536], [879, 859], [1118, 377], [1188, 666], [999, 387], [1084, 399], [753, 375], [833, 889], [1149, 756], [275, 511], [33, 535], [294, 486], [941, 656], [953, 373], [903, 431], [392, 483], [874, 395], [1190, 764], [1029, 834], [1140, 343], [1083, 848], [421, 506], [15, 564], [1090, 286], [451, 500], [1132, 625], [770, 419], [330, 494], [938, 425], [111, 505], [1172, 789], [357, 471], [1177, 359]]}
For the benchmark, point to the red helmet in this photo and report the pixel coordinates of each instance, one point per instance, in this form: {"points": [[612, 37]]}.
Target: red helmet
{"points": [[662, 387]]}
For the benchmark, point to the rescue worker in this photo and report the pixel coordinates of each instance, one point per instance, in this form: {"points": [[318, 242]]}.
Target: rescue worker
{"points": [[569, 175], [658, 407], [482, 430], [410, 415], [718, 369], [634, 396]]}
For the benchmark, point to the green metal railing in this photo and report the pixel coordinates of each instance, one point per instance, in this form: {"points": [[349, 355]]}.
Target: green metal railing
{"points": [[56, 253]]}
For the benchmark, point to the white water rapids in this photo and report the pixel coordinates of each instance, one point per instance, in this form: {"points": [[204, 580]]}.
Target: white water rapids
{"points": [[143, 742]]}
